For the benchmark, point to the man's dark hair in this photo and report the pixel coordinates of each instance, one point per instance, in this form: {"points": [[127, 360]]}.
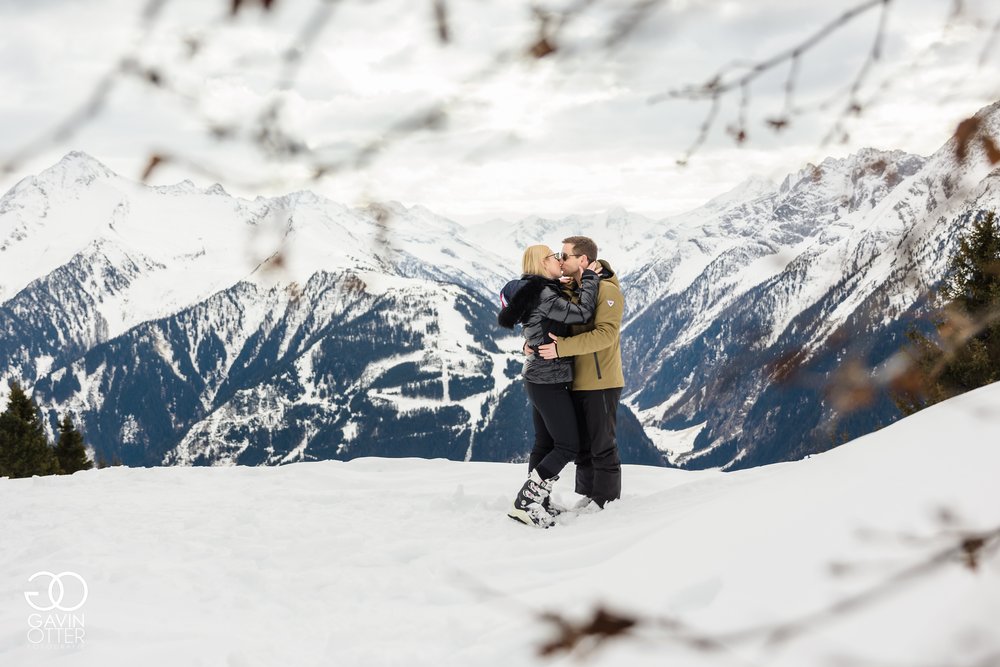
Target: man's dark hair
{"points": [[583, 245]]}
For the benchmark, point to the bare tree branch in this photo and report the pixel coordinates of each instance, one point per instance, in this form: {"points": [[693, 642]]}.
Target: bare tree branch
{"points": [[722, 83], [68, 127], [968, 549], [853, 105]]}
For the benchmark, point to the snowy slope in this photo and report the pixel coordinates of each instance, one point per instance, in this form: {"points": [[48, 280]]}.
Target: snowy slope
{"points": [[389, 562]]}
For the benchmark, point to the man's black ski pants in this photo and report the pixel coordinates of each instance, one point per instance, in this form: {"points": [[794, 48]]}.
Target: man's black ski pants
{"points": [[598, 467]]}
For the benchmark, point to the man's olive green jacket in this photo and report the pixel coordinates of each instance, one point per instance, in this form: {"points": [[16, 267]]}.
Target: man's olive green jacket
{"points": [[596, 346]]}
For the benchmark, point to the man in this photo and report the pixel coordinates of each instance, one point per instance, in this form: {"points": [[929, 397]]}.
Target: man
{"points": [[597, 375]]}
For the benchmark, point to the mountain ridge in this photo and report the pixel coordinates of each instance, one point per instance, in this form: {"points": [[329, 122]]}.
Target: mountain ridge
{"points": [[245, 357]]}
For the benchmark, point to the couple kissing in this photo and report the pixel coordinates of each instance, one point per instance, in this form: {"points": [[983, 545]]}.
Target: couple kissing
{"points": [[569, 306]]}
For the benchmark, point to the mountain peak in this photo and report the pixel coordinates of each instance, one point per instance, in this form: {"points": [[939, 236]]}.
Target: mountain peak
{"points": [[865, 157], [751, 188], [989, 111], [84, 161], [616, 214], [185, 187], [77, 167]]}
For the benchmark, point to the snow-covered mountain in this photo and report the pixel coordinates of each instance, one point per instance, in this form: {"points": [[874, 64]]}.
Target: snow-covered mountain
{"points": [[881, 552], [832, 267], [184, 325], [829, 267], [623, 237]]}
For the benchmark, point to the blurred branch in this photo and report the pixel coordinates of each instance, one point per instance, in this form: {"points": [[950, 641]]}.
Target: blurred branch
{"points": [[237, 5], [68, 127], [440, 8], [956, 17], [742, 75], [629, 21], [990, 43], [303, 44], [721, 84], [969, 549], [275, 142], [853, 105], [267, 131]]}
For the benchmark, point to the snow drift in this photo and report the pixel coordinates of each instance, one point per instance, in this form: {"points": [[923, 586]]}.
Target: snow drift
{"points": [[408, 561]]}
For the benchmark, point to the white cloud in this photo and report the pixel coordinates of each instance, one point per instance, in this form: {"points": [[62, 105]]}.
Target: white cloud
{"points": [[571, 133]]}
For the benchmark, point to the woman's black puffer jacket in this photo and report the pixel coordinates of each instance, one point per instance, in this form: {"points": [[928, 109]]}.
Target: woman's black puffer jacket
{"points": [[539, 305]]}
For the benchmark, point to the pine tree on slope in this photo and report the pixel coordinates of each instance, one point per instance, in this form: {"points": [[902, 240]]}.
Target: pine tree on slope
{"points": [[24, 449], [70, 451], [967, 354]]}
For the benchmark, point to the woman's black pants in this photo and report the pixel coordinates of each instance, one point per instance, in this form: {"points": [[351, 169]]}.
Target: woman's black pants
{"points": [[557, 436]]}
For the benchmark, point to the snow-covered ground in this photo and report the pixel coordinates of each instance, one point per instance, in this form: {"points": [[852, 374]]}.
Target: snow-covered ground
{"points": [[412, 562]]}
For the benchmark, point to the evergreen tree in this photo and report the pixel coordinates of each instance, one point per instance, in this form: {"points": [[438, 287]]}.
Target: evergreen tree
{"points": [[103, 462], [24, 449], [70, 452], [972, 282], [967, 352]]}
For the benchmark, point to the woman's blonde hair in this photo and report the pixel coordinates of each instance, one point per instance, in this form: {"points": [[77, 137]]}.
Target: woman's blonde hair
{"points": [[533, 261]]}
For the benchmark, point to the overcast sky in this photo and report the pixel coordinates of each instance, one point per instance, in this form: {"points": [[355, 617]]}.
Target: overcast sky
{"points": [[574, 132]]}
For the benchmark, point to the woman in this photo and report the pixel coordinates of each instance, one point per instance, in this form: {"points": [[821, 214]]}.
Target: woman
{"points": [[538, 302]]}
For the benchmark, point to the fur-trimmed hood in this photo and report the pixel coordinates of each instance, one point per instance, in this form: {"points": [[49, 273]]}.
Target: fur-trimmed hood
{"points": [[519, 297]]}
